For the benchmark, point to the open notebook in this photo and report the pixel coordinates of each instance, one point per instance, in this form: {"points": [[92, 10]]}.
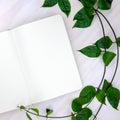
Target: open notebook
{"points": [[36, 64]]}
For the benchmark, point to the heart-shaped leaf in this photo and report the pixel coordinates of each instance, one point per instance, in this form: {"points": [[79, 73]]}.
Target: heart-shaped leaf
{"points": [[49, 3], [84, 17], [118, 41], [49, 111], [108, 57], [22, 107], [35, 110], [84, 114], [65, 6], [104, 4], [73, 118], [28, 116], [113, 96], [101, 96], [84, 13], [87, 94], [91, 51], [88, 3], [104, 42], [106, 84], [76, 106]]}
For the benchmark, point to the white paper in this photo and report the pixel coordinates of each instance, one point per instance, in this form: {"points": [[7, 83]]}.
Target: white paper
{"points": [[45, 61], [12, 86]]}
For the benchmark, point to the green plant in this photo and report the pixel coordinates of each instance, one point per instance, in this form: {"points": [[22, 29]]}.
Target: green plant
{"points": [[105, 91]]}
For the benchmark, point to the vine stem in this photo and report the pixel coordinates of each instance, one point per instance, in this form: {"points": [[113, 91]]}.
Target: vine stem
{"points": [[116, 45], [95, 116], [117, 56], [104, 72], [104, 47], [44, 116]]}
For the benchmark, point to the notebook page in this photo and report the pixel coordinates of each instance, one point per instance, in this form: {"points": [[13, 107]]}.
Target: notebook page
{"points": [[13, 91], [48, 58]]}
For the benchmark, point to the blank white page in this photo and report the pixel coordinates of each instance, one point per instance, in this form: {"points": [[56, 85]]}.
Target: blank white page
{"points": [[13, 90], [47, 55]]}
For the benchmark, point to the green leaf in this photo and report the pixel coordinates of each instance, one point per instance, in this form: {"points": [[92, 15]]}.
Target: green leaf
{"points": [[65, 6], [84, 114], [49, 111], [49, 3], [35, 110], [101, 96], [106, 84], [118, 41], [76, 106], [87, 94], [83, 24], [73, 118], [91, 51], [22, 107], [84, 17], [84, 13], [104, 42], [88, 3], [108, 57], [104, 4], [28, 116], [113, 96]]}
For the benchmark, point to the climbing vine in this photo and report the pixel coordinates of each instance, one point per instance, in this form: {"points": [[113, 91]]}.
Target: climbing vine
{"points": [[101, 48]]}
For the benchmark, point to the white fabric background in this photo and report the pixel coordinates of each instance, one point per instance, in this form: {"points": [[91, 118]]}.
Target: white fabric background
{"points": [[17, 12]]}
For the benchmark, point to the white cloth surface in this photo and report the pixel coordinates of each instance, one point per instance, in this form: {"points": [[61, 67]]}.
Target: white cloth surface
{"points": [[17, 12]]}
